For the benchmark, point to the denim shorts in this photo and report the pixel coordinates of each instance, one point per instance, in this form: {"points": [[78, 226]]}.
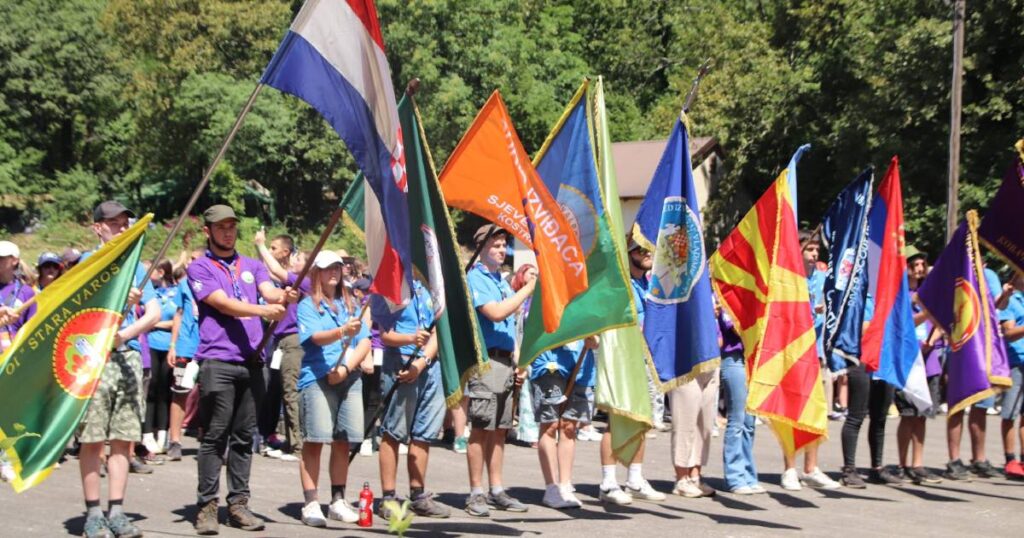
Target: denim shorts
{"points": [[332, 413], [549, 397], [1014, 395], [416, 411]]}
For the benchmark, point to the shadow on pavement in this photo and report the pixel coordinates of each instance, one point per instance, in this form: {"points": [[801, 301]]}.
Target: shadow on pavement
{"points": [[451, 529], [731, 502], [978, 493], [924, 494], [791, 501], [843, 494], [734, 520]]}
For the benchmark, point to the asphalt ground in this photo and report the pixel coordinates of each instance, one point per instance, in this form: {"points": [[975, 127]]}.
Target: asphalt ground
{"points": [[163, 503]]}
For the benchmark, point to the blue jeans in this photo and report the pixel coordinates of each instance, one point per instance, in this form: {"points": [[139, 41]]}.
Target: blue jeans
{"points": [[739, 429]]}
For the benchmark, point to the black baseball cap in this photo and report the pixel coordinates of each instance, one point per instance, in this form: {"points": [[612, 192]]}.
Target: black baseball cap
{"points": [[109, 210]]}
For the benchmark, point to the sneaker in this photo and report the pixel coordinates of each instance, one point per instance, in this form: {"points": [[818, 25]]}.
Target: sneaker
{"points": [[424, 505], [288, 456], [715, 432], [687, 487], [97, 527], [1014, 470], [644, 492], [174, 452], [615, 496], [758, 489], [504, 501], [382, 511], [588, 435], [366, 448], [403, 449], [920, 475], [272, 452], [852, 479], [152, 459], [885, 477], [313, 516], [6, 472], [241, 517], [661, 426], [461, 444], [791, 480], [476, 505], [742, 490], [137, 466], [569, 494], [956, 470], [206, 520], [818, 479], [554, 498], [122, 527], [339, 510], [984, 469]]}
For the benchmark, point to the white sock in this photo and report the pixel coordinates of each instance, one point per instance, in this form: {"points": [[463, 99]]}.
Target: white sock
{"points": [[496, 490], [635, 476], [148, 440], [608, 481], [476, 490], [161, 438]]}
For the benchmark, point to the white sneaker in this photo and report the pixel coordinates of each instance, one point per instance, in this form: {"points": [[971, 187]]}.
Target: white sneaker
{"points": [[313, 516], [687, 487], [6, 471], [272, 453], [403, 448], [758, 489], [615, 496], [342, 511], [818, 479], [791, 480], [644, 492], [569, 495], [366, 448], [553, 498], [715, 432], [743, 490], [589, 435], [288, 457]]}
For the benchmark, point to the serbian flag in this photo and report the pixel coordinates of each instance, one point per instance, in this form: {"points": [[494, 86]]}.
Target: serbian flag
{"points": [[889, 345], [956, 297], [489, 174], [758, 273], [333, 58], [1002, 229]]}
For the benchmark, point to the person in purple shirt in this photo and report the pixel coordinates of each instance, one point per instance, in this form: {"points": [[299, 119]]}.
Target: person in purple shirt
{"points": [[14, 293], [738, 445], [282, 383], [227, 287]]}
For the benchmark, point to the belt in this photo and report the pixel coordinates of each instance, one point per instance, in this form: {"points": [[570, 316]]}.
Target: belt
{"points": [[499, 353]]}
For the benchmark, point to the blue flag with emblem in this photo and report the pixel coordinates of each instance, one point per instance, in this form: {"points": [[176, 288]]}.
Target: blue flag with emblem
{"points": [[679, 322], [845, 235]]}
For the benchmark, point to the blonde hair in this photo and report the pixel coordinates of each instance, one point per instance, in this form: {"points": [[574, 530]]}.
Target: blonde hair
{"points": [[316, 292]]}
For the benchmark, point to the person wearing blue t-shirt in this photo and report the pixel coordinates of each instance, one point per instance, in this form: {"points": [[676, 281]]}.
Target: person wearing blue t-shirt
{"points": [[184, 342], [490, 393], [158, 394], [1011, 319]]}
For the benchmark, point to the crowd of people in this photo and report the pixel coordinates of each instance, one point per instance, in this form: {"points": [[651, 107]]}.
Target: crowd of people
{"points": [[188, 359]]}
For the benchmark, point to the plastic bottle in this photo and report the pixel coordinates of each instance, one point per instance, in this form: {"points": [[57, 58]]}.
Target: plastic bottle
{"points": [[366, 506]]}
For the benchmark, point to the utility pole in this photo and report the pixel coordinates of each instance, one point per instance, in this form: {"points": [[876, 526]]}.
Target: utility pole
{"points": [[952, 200]]}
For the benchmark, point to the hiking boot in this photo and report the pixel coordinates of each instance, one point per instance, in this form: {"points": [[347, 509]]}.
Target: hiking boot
{"points": [[174, 452], [424, 505], [97, 527], [137, 466], [852, 479], [122, 527], [241, 517], [956, 470], [984, 469], [504, 501], [476, 505], [885, 477], [206, 519]]}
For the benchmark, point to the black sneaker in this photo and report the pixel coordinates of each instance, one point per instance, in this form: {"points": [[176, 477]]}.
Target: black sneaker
{"points": [[137, 466], [956, 470], [885, 477], [852, 479], [920, 475], [984, 469]]}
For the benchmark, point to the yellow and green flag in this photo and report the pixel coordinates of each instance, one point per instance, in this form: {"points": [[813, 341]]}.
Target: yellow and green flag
{"points": [[52, 368]]}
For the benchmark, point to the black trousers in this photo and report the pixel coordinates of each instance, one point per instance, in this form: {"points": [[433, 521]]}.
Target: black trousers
{"points": [[371, 396], [867, 398], [228, 393], [158, 395]]}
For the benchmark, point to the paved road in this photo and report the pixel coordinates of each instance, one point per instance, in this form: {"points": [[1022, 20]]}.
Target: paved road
{"points": [[162, 502]]}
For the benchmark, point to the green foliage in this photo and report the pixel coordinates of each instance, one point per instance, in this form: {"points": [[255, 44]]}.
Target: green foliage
{"points": [[400, 516]]}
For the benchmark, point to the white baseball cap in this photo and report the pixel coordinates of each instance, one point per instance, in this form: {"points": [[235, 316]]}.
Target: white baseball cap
{"points": [[326, 258], [9, 249]]}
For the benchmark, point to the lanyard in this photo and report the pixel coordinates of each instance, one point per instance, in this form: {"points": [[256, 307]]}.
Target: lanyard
{"points": [[235, 277], [13, 297]]}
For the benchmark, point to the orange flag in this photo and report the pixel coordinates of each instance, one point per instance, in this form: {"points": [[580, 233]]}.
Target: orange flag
{"points": [[758, 272], [489, 174]]}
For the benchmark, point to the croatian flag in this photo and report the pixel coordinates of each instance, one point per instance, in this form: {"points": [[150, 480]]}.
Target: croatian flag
{"points": [[889, 345], [333, 58]]}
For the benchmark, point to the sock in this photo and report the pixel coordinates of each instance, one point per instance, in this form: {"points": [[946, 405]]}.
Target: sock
{"points": [[114, 508], [496, 490], [608, 481], [552, 488], [635, 477], [476, 490], [92, 509], [309, 495], [388, 494], [337, 492], [161, 438], [415, 493], [1010, 457]]}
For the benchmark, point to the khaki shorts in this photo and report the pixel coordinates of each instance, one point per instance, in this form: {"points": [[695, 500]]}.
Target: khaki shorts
{"points": [[116, 410], [490, 395]]}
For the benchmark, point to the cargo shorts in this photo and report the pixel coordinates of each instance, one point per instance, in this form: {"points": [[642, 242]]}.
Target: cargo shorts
{"points": [[491, 395], [118, 405]]}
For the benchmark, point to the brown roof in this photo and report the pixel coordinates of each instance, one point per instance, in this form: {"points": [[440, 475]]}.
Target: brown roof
{"points": [[635, 161]]}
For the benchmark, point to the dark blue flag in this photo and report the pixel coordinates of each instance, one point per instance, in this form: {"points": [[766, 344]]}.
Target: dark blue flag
{"points": [[845, 234]]}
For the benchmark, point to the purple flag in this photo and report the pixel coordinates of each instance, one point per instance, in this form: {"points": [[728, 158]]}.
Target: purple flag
{"points": [[1002, 229], [957, 298]]}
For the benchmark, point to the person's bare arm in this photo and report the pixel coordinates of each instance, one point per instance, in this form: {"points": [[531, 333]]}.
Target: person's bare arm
{"points": [[499, 310], [279, 273], [141, 325], [1011, 332]]}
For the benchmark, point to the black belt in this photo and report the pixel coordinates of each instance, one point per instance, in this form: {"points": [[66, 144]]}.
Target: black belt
{"points": [[499, 353]]}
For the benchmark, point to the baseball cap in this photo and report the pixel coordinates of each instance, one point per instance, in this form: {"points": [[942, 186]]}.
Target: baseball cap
{"points": [[217, 213], [9, 249], [363, 284], [631, 244], [71, 255], [485, 230], [326, 258], [49, 257], [109, 210]]}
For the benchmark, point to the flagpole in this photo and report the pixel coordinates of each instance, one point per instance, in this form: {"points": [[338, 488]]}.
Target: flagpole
{"points": [[956, 102], [571, 385], [480, 247], [692, 96]]}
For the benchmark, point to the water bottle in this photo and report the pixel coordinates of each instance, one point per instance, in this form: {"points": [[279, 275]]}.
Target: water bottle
{"points": [[366, 506]]}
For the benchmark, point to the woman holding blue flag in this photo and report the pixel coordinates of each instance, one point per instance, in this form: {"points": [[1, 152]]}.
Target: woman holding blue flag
{"points": [[331, 390]]}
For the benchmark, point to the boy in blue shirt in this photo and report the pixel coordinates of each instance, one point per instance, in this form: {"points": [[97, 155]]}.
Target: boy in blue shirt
{"points": [[1011, 319]]}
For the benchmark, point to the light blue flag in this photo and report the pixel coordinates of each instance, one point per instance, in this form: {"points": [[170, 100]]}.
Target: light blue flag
{"points": [[679, 323], [791, 177]]}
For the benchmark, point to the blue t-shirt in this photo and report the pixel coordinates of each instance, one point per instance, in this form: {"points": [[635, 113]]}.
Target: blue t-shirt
{"points": [[562, 360], [415, 316], [148, 293], [640, 286], [188, 332], [1014, 312], [816, 289], [995, 287], [317, 361], [160, 339], [488, 287]]}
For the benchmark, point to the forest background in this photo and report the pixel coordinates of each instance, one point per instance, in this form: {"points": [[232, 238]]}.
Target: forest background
{"points": [[130, 99]]}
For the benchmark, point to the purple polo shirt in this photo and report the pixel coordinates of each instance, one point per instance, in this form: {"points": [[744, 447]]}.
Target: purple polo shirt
{"points": [[731, 343], [222, 337], [14, 294], [288, 325]]}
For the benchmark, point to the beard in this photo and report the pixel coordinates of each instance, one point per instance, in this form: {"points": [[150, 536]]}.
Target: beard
{"points": [[221, 246]]}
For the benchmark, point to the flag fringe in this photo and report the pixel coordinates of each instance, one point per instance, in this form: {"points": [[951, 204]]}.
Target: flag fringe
{"points": [[700, 368]]}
